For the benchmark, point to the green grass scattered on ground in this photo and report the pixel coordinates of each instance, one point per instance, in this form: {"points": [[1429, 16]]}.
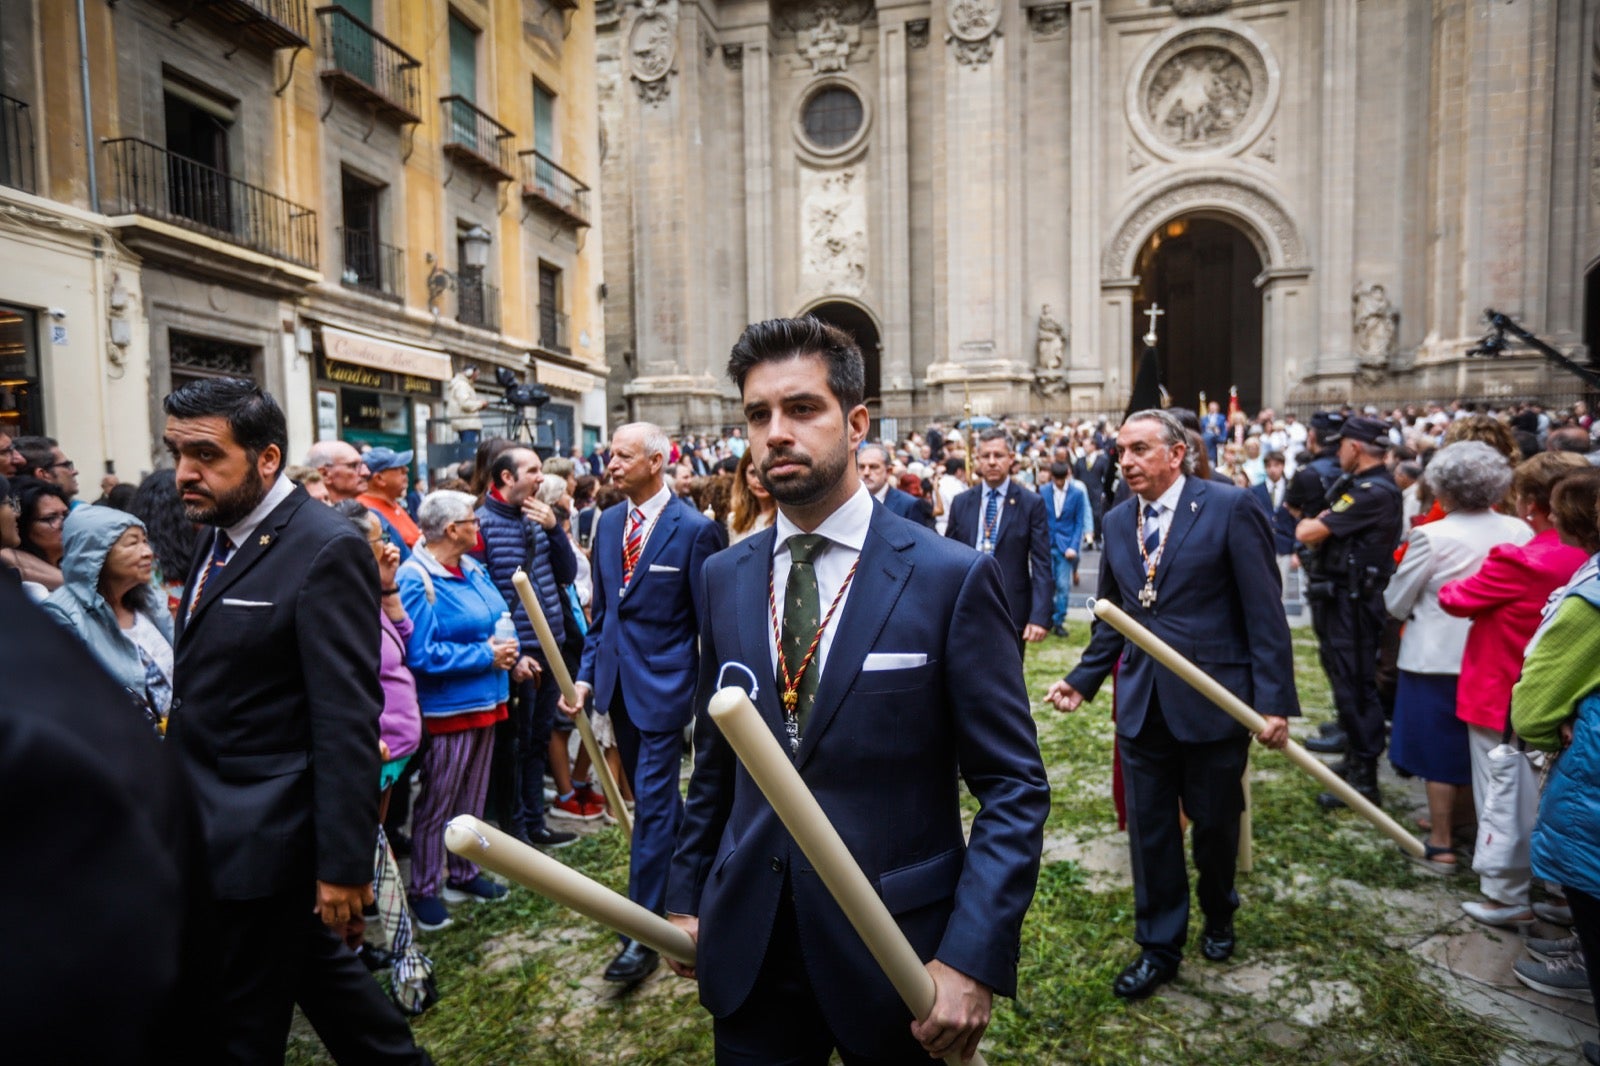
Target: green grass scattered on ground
{"points": [[1315, 979]]}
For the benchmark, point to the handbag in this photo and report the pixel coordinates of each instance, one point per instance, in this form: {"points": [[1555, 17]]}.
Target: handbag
{"points": [[1510, 807]]}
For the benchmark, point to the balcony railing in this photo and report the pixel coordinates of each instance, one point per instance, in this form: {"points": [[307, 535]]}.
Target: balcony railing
{"points": [[477, 302], [546, 184], [372, 266], [471, 136], [17, 165], [553, 336], [369, 66], [277, 23], [149, 180]]}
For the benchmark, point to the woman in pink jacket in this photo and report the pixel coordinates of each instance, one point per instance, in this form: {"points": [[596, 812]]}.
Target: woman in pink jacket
{"points": [[1504, 600]]}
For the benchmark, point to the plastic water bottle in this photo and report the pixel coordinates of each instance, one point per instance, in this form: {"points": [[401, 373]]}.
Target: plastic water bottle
{"points": [[505, 628]]}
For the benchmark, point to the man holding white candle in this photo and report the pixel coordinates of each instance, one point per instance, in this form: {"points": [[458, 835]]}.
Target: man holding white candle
{"points": [[886, 670], [1192, 561]]}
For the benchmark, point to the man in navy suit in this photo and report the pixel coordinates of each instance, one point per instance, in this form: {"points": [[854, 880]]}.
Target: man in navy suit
{"points": [[641, 658], [1271, 495], [903, 694], [1001, 518], [873, 463], [1192, 561], [1066, 509]]}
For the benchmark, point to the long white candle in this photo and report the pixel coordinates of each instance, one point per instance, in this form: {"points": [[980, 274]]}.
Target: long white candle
{"points": [[1247, 716], [493, 850], [558, 667], [800, 813]]}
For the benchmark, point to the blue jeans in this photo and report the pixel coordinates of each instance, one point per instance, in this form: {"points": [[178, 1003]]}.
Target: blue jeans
{"points": [[1062, 569]]}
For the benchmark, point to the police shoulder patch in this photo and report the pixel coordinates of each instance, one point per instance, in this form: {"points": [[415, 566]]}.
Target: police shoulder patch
{"points": [[1342, 503]]}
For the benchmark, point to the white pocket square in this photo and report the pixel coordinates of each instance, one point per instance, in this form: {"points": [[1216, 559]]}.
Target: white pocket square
{"points": [[894, 660], [227, 602], [657, 568]]}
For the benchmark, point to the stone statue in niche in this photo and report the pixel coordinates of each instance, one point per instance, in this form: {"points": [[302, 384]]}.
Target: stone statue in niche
{"points": [[1375, 321], [1051, 346], [827, 45], [833, 231], [1199, 98]]}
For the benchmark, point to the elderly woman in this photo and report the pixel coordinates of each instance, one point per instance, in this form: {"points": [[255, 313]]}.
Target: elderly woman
{"points": [[1504, 600], [41, 510], [1556, 705], [1428, 740], [460, 669], [107, 600]]}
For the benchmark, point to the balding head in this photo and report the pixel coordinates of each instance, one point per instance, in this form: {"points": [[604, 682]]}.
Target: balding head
{"points": [[638, 455], [342, 469]]}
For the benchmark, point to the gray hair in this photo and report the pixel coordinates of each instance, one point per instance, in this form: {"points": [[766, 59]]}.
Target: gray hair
{"points": [[551, 489], [327, 452], [1172, 432], [995, 433], [1468, 476], [655, 439], [870, 447], [440, 509]]}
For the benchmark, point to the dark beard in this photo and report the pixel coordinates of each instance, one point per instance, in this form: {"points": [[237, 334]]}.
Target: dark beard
{"points": [[231, 507], [819, 478]]}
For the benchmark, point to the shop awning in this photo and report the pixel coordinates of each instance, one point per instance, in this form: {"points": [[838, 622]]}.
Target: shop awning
{"points": [[554, 376], [383, 353]]}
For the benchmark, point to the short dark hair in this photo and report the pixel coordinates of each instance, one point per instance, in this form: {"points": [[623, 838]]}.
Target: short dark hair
{"points": [[29, 491], [1274, 457], [504, 463], [254, 417], [779, 339], [954, 465], [1575, 507], [36, 452]]}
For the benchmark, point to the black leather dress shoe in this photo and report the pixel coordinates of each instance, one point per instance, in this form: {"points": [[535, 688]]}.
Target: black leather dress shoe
{"points": [[1217, 944], [1143, 976], [635, 963], [1334, 744]]}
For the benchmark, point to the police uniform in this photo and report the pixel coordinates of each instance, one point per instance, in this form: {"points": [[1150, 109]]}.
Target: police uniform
{"points": [[1308, 489], [1351, 569]]}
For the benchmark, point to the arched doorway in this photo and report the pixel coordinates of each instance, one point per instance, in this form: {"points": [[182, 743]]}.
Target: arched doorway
{"points": [[854, 320], [1201, 271]]}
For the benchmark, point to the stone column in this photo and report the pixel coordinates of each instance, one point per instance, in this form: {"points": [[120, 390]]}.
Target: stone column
{"points": [[893, 155], [756, 69], [1285, 310], [1114, 325], [1336, 258], [1094, 359]]}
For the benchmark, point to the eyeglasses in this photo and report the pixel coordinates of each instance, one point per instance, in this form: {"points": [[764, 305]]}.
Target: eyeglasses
{"points": [[465, 521], [52, 520], [66, 463]]}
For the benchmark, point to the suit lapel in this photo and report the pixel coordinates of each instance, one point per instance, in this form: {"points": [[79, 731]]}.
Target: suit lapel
{"points": [[245, 556], [751, 577], [881, 576], [1190, 502], [1010, 512], [666, 526]]}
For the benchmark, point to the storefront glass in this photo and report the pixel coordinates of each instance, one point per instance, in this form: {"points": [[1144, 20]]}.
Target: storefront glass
{"points": [[21, 409]]}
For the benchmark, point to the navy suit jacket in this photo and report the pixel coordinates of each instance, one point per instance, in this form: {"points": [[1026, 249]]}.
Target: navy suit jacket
{"points": [[642, 638], [1022, 549], [882, 754], [1218, 603], [1281, 521], [905, 505]]}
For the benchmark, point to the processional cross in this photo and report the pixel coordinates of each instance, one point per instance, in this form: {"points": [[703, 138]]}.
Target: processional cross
{"points": [[1152, 314]]}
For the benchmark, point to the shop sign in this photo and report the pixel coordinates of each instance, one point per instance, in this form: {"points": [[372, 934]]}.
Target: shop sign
{"points": [[383, 354], [345, 374]]}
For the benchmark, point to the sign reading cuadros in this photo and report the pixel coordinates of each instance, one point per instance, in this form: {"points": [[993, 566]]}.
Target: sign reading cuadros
{"points": [[380, 354]]}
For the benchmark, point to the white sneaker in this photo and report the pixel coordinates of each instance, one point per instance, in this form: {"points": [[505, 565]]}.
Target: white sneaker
{"points": [[1501, 915], [1555, 914]]}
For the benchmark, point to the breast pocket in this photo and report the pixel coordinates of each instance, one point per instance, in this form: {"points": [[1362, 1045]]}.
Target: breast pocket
{"points": [[237, 623], [902, 680]]}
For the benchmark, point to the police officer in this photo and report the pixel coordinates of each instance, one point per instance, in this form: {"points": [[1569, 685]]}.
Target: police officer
{"points": [[1307, 497], [1353, 542]]}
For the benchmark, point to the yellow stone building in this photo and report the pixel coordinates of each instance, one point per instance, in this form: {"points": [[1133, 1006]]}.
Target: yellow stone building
{"points": [[348, 202]]}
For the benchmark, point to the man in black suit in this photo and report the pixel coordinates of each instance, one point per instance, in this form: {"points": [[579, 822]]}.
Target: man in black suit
{"points": [[1002, 519], [275, 721], [1093, 468], [1192, 561], [873, 462], [1271, 495]]}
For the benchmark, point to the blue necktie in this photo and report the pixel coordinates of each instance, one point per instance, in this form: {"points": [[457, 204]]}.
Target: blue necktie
{"points": [[991, 510], [1152, 529]]}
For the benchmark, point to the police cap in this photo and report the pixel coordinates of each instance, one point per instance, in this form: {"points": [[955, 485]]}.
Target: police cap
{"points": [[1365, 430], [1326, 425]]}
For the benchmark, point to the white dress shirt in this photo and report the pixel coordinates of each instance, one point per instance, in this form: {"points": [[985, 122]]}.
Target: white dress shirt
{"points": [[651, 508], [240, 533], [845, 531], [1167, 504]]}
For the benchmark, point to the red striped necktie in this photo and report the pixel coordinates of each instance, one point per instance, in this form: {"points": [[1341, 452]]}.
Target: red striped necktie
{"points": [[219, 559], [634, 545]]}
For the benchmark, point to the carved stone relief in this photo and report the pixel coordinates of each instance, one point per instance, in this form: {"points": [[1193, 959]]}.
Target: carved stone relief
{"points": [[1284, 245], [917, 33], [1137, 160], [827, 44], [1189, 8], [974, 24], [1048, 22], [733, 56], [1050, 347], [652, 48], [833, 231], [1269, 148], [1199, 98], [1374, 322]]}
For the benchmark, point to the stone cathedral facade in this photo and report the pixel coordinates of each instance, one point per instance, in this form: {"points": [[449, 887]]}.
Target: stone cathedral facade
{"points": [[1322, 196]]}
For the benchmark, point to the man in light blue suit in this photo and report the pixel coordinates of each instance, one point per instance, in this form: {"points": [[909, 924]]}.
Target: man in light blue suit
{"points": [[1067, 514], [641, 657], [916, 684]]}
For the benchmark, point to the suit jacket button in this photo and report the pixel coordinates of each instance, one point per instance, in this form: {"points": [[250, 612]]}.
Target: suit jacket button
{"points": [[777, 865]]}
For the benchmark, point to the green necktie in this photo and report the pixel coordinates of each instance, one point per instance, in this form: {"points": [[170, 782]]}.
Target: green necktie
{"points": [[802, 611]]}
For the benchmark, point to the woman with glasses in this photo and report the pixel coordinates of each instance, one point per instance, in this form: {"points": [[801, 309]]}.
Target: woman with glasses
{"points": [[41, 510], [460, 668], [108, 602]]}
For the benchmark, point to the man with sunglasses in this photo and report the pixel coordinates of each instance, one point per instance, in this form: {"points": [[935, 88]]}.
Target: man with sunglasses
{"points": [[43, 458]]}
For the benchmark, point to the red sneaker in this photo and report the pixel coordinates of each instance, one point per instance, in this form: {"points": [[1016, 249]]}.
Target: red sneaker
{"points": [[575, 808]]}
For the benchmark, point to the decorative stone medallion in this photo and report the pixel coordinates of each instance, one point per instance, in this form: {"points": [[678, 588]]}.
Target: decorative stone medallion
{"points": [[1202, 89], [652, 48], [974, 24]]}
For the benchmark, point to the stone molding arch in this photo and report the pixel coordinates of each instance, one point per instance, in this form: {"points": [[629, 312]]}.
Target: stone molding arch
{"points": [[840, 298], [1266, 221]]}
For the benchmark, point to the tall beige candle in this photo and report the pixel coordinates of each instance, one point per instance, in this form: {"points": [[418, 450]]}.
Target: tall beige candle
{"points": [[558, 667], [493, 850], [800, 813], [1246, 716]]}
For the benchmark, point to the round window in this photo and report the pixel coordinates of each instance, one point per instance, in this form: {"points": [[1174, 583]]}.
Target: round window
{"points": [[832, 117]]}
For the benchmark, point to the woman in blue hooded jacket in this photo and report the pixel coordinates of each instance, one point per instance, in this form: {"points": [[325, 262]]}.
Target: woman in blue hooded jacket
{"points": [[107, 599]]}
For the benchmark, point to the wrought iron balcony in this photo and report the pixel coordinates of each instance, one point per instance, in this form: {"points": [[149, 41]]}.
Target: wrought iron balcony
{"points": [[149, 180], [546, 185], [18, 167], [276, 23], [361, 61], [372, 266], [474, 138], [477, 302], [553, 335]]}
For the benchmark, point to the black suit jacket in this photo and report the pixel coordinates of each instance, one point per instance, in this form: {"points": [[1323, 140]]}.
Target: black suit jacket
{"points": [[277, 674], [917, 508], [1281, 521], [1022, 549]]}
